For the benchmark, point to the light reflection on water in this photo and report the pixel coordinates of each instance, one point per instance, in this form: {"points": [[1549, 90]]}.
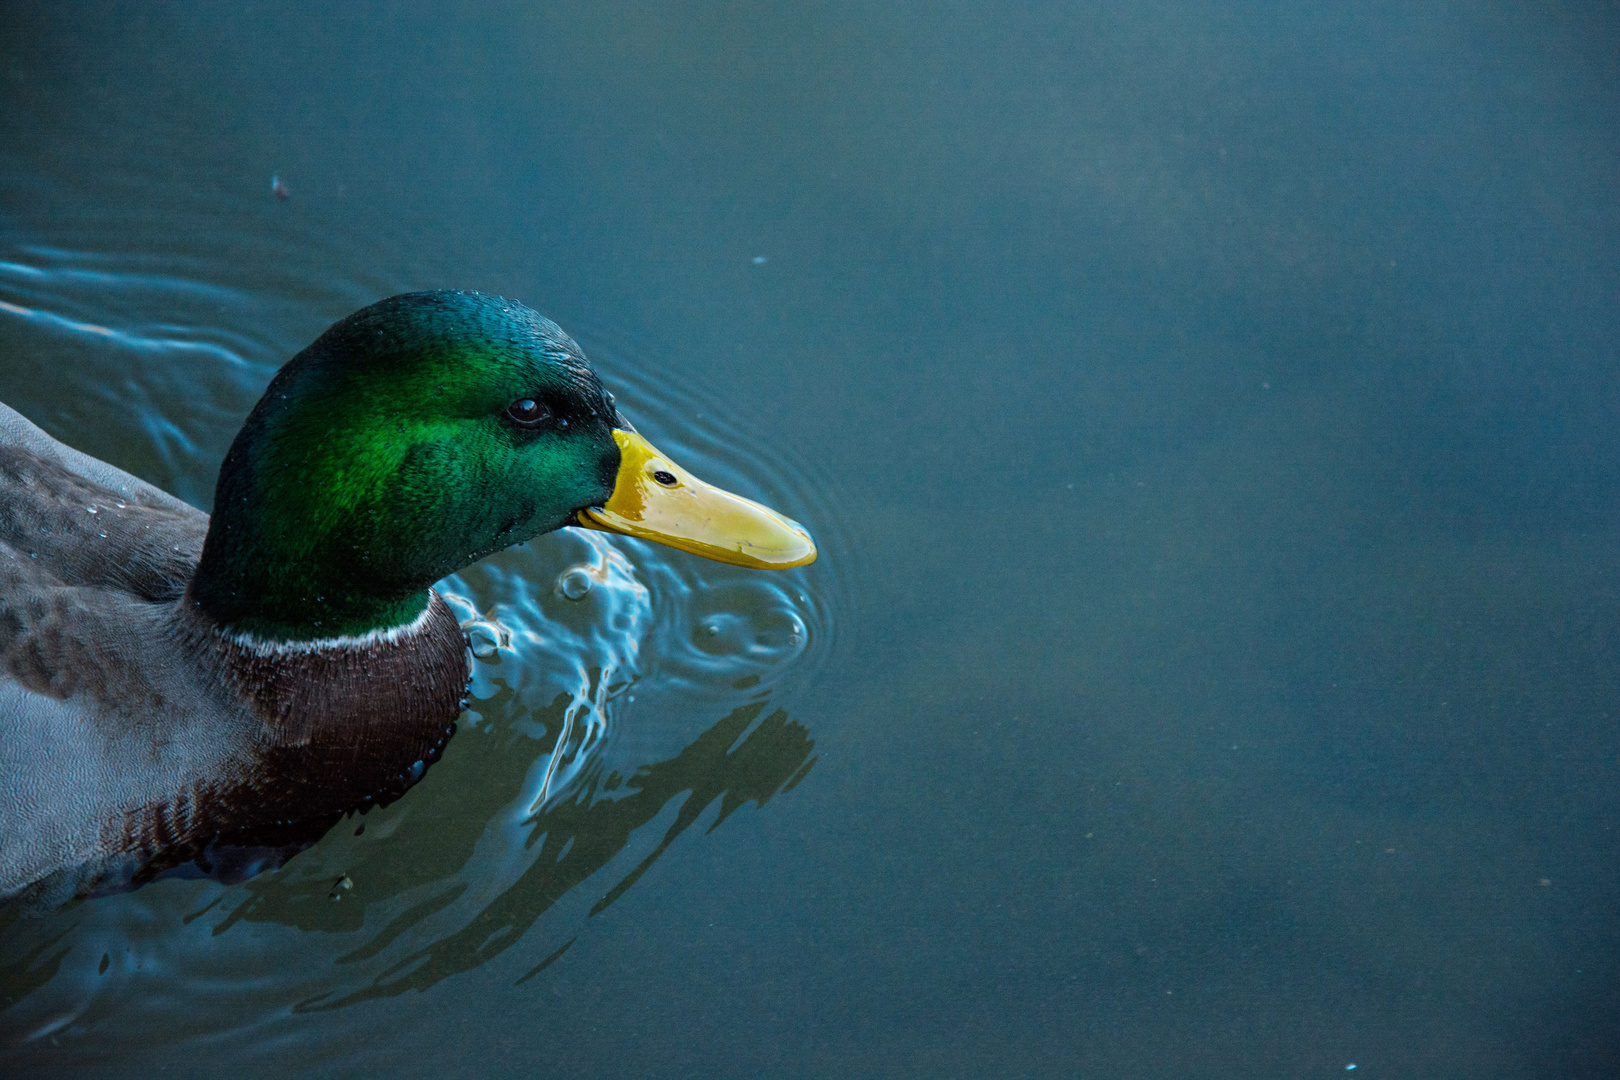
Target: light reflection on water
{"points": [[605, 720]]}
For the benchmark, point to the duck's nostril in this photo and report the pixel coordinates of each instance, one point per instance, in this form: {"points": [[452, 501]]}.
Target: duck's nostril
{"points": [[665, 478]]}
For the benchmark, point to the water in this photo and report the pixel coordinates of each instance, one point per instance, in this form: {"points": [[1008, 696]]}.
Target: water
{"points": [[1207, 417]]}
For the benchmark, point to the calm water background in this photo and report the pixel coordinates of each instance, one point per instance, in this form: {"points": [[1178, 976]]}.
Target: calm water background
{"points": [[1209, 415]]}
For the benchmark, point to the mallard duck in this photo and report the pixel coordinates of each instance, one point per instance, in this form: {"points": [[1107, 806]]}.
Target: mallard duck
{"points": [[177, 687]]}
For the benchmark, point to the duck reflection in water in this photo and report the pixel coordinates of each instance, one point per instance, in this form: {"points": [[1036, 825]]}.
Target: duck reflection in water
{"points": [[219, 692], [577, 837]]}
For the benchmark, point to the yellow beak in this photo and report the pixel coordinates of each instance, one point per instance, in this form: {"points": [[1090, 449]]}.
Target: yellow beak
{"points": [[655, 499]]}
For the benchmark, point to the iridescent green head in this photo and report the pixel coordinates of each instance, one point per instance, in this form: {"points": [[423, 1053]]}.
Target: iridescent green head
{"points": [[412, 438]]}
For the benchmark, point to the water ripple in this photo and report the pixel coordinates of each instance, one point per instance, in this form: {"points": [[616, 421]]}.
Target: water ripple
{"points": [[622, 693]]}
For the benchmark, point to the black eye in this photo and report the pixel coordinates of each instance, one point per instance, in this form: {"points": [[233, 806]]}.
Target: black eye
{"points": [[665, 478], [527, 412]]}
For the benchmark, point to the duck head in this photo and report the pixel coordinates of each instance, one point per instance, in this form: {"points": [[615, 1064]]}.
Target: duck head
{"points": [[421, 434]]}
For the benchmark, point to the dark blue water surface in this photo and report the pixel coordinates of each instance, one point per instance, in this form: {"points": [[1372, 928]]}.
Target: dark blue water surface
{"points": [[1210, 416]]}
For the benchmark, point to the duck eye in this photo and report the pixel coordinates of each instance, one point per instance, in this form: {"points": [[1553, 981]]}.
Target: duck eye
{"points": [[527, 412], [665, 478]]}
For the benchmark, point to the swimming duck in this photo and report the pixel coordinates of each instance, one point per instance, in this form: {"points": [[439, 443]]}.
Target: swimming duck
{"points": [[175, 687]]}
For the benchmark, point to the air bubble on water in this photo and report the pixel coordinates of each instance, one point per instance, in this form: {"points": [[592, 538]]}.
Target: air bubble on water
{"points": [[574, 583], [484, 643]]}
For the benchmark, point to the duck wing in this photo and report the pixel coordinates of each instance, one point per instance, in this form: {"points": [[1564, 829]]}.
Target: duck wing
{"points": [[82, 522], [101, 705]]}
